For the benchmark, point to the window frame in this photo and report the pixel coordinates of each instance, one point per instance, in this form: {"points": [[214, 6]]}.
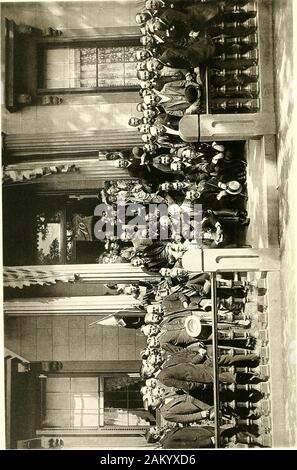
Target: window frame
{"points": [[128, 41], [101, 427]]}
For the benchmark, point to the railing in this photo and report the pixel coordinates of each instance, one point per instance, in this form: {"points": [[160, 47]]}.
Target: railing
{"points": [[243, 260], [215, 362]]}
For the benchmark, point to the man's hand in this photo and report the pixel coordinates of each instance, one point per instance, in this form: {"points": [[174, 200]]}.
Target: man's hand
{"points": [[211, 413], [219, 235], [205, 414], [192, 109], [194, 34], [202, 352]]}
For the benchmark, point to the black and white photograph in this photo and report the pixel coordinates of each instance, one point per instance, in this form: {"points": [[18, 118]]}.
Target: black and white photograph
{"points": [[149, 201]]}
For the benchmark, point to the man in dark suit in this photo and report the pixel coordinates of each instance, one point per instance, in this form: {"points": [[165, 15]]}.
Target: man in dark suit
{"points": [[143, 171], [198, 52], [173, 331], [198, 437], [188, 376], [192, 17], [168, 120], [182, 438], [180, 408]]}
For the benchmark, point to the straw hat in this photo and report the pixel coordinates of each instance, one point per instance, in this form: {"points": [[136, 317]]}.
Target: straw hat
{"points": [[233, 188], [193, 326]]}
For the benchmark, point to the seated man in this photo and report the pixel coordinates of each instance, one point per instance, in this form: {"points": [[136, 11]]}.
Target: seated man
{"points": [[195, 437], [168, 120], [182, 438], [178, 408], [177, 98], [144, 292], [173, 331], [196, 53], [210, 192], [187, 376], [137, 169], [192, 17]]}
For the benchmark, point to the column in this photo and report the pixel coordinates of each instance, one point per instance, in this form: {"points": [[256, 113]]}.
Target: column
{"points": [[232, 259], [226, 126], [70, 143], [22, 276], [90, 168], [86, 305]]}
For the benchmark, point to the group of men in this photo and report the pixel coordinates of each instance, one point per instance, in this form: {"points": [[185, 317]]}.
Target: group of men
{"points": [[178, 368], [200, 204], [180, 39], [175, 316], [207, 182]]}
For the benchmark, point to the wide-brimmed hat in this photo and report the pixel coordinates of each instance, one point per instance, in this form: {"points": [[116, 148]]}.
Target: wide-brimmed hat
{"points": [[233, 188], [193, 326]]}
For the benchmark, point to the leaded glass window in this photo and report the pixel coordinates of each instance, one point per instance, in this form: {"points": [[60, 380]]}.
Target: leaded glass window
{"points": [[90, 67]]}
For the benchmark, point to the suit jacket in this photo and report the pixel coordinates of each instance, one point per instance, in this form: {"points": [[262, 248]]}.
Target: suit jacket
{"points": [[196, 53], [187, 17], [183, 409], [177, 376], [161, 81], [175, 91], [173, 331], [185, 355], [177, 337], [188, 438], [173, 303], [172, 18], [150, 174], [200, 13], [174, 57], [168, 120], [175, 327]]}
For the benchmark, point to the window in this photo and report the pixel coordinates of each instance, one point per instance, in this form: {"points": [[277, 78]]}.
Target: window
{"points": [[87, 68], [93, 403], [124, 406], [71, 403], [64, 231]]}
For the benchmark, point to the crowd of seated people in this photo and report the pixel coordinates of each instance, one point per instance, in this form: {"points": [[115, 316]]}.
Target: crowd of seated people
{"points": [[183, 38], [209, 187], [174, 307], [175, 315]]}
